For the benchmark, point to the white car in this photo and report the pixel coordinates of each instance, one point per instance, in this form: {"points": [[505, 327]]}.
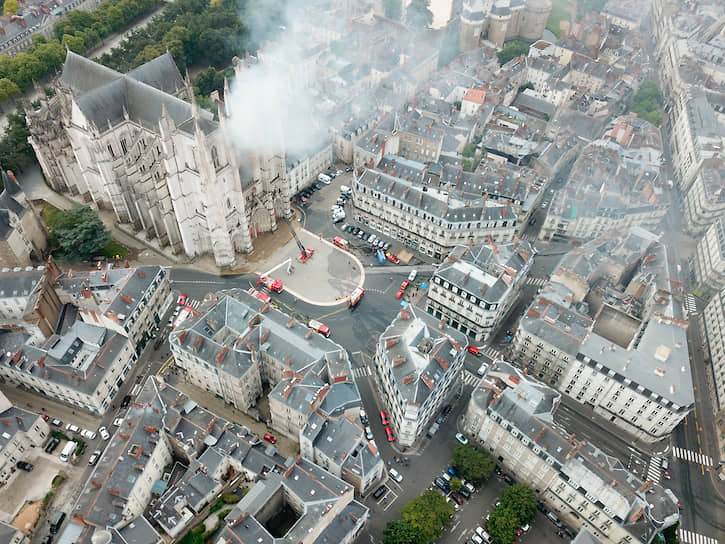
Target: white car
{"points": [[454, 503], [395, 475], [90, 435], [368, 433], [412, 275], [72, 428], [118, 421], [104, 433], [461, 438]]}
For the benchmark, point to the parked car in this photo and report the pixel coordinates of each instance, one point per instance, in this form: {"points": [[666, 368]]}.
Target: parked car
{"points": [[380, 492], [457, 497], [56, 422], [269, 438], [463, 492], [95, 456], [399, 294], [104, 433], [368, 433], [72, 428], [22, 465], [126, 401], [404, 285], [508, 479], [383, 417], [118, 422], [442, 484], [461, 438], [182, 299], [50, 448], [90, 435], [392, 258], [389, 434], [395, 475]]}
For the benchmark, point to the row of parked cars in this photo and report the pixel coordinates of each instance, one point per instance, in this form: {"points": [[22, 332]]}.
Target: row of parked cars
{"points": [[371, 239]]}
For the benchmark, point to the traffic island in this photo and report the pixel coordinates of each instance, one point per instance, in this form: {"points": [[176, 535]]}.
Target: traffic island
{"points": [[327, 276]]}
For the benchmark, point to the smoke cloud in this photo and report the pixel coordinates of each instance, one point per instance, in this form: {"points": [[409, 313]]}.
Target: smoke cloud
{"points": [[271, 102]]}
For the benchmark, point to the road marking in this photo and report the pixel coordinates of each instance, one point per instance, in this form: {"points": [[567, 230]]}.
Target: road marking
{"points": [[692, 457], [469, 379], [538, 282], [691, 537], [654, 471], [390, 503], [361, 372], [165, 366]]}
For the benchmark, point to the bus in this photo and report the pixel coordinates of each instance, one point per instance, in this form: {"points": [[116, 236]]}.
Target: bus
{"points": [[355, 296]]}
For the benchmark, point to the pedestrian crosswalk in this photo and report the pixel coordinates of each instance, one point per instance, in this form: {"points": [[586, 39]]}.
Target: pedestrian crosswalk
{"points": [[691, 304], [691, 537], [491, 352], [362, 371], [654, 470], [193, 303], [538, 282], [469, 378], [692, 457]]}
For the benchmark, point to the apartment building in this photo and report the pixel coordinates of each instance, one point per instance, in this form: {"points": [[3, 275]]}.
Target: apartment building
{"points": [[704, 201], [714, 320], [606, 192], [690, 77], [402, 202], [708, 262], [236, 343], [130, 301], [511, 415], [608, 332], [22, 238], [20, 430], [417, 360], [475, 287], [338, 445], [212, 456], [303, 170], [84, 365]]}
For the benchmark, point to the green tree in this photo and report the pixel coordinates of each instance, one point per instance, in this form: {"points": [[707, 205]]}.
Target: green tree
{"points": [[74, 42], [79, 233], [671, 534], [646, 103], [15, 150], [456, 484], [8, 89], [427, 514], [51, 54], [521, 501], [511, 50], [473, 464], [502, 525], [418, 14], [25, 69], [11, 7], [400, 531], [393, 9], [469, 150]]}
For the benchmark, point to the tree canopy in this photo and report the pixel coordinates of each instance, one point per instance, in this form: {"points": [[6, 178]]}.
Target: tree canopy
{"points": [[521, 501], [427, 514], [79, 234], [400, 531], [11, 7], [15, 150], [511, 50], [473, 464], [393, 9], [503, 524], [418, 14], [646, 103]]}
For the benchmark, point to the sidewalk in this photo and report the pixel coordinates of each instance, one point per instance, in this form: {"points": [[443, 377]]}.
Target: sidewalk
{"points": [[35, 402]]}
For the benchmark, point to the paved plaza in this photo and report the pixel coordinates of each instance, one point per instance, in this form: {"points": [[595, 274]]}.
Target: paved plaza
{"points": [[326, 279]]}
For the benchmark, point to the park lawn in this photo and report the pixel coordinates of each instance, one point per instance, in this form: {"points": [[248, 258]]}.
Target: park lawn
{"points": [[560, 11]]}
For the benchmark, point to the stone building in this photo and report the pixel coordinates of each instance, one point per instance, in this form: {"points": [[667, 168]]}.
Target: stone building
{"points": [[131, 143], [502, 20], [22, 238]]}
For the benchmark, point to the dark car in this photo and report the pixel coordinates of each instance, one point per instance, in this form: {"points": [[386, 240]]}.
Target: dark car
{"points": [[508, 479], [126, 401], [50, 448], [463, 492], [22, 465], [380, 492], [446, 409], [441, 483], [457, 497], [317, 186]]}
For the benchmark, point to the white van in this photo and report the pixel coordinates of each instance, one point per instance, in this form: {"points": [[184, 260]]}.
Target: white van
{"points": [[344, 189], [68, 450], [324, 178]]}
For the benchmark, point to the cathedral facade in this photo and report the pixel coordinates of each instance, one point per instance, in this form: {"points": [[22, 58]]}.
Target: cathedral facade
{"points": [[134, 143], [502, 20]]}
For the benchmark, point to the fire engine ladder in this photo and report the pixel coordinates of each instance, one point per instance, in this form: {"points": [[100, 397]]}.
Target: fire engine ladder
{"points": [[303, 251]]}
